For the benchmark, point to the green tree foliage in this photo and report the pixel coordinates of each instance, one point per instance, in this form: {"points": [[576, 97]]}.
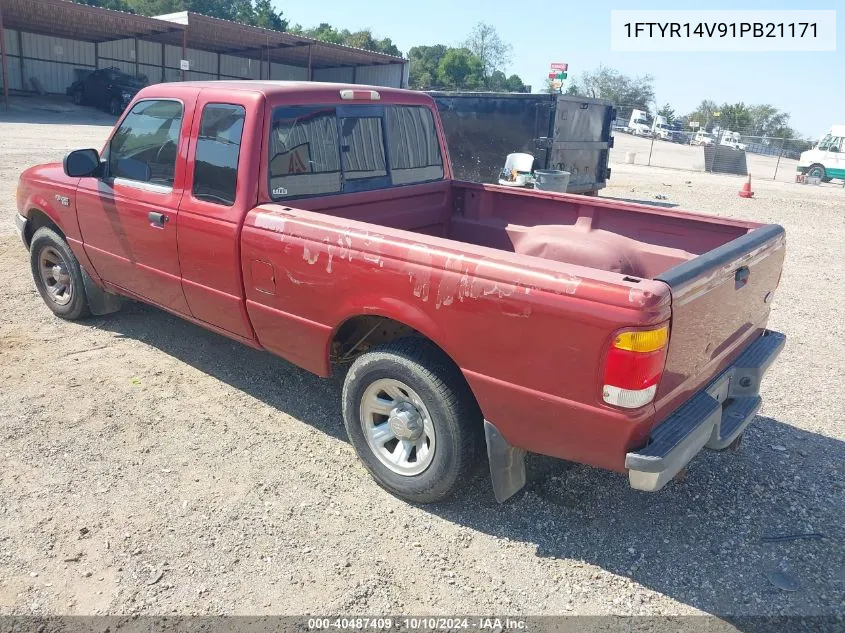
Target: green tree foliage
{"points": [[734, 117], [607, 83], [359, 39], [424, 62], [460, 69], [762, 120], [442, 67], [484, 42], [252, 12], [767, 120], [703, 115], [668, 112]]}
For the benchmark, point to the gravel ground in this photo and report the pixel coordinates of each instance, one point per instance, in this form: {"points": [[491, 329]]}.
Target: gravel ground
{"points": [[678, 156], [149, 466]]}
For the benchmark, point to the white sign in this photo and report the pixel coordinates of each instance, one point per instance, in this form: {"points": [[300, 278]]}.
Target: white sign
{"points": [[693, 124], [184, 64]]}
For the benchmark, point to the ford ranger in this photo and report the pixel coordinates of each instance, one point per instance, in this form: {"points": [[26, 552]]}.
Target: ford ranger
{"points": [[321, 223]]}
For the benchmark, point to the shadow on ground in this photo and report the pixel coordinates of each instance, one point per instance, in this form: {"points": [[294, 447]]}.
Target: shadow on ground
{"points": [[704, 541], [52, 110]]}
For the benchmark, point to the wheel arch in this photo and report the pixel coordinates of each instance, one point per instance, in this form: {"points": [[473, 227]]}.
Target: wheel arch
{"points": [[37, 218], [359, 332]]}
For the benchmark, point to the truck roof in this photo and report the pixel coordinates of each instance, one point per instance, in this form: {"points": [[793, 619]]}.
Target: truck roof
{"points": [[312, 90]]}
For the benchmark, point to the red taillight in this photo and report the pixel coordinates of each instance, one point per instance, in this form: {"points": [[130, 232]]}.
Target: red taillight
{"points": [[634, 366]]}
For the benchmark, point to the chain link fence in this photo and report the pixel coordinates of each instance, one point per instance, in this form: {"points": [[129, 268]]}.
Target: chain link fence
{"points": [[642, 141]]}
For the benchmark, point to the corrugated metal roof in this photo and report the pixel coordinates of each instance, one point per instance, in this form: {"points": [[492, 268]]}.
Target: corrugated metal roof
{"points": [[62, 18], [233, 38]]}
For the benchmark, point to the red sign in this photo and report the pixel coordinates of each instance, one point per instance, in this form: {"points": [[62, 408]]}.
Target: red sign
{"points": [[552, 75], [560, 66]]}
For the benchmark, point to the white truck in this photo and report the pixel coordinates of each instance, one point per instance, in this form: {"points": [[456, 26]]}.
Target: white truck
{"points": [[827, 159], [640, 123], [732, 139], [662, 129], [702, 138]]}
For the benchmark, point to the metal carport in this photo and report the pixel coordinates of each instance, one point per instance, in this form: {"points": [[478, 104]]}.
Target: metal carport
{"points": [[49, 40]]}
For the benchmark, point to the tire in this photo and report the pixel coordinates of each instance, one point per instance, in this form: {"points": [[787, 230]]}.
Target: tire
{"points": [[115, 108], [78, 97], [435, 401], [54, 265], [817, 170]]}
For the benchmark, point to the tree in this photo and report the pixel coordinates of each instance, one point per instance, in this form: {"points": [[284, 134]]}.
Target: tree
{"points": [[515, 84], [667, 112], [459, 68], [266, 16], [624, 91], [735, 117], [703, 115], [484, 42], [497, 82], [767, 120], [424, 62]]}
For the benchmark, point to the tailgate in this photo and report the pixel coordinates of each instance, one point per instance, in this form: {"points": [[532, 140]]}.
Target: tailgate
{"points": [[720, 303]]}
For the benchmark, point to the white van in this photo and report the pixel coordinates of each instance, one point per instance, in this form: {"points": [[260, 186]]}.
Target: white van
{"points": [[827, 159]]}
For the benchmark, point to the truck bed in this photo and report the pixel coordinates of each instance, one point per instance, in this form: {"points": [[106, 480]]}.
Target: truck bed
{"points": [[630, 239], [625, 257]]}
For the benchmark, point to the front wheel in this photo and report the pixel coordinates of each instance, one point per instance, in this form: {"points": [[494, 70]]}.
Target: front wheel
{"points": [[57, 275], [412, 420], [78, 97], [817, 171]]}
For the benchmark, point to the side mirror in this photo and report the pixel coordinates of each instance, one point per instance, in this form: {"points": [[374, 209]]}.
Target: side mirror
{"points": [[82, 163]]}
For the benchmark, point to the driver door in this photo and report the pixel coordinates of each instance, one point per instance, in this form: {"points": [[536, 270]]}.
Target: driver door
{"points": [[129, 217]]}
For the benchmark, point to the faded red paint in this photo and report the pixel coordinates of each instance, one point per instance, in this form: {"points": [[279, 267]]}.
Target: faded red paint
{"points": [[529, 333]]}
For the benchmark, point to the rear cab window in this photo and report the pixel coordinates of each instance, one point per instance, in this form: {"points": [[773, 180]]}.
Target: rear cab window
{"points": [[331, 149], [217, 153]]}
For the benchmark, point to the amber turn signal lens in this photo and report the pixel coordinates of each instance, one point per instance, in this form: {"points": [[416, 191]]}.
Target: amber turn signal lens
{"points": [[642, 340]]}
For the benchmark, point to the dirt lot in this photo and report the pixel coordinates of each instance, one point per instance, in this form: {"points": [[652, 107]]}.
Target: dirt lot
{"points": [[677, 156], [149, 466]]}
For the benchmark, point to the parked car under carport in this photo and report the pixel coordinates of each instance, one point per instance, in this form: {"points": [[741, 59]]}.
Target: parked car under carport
{"points": [[108, 89]]}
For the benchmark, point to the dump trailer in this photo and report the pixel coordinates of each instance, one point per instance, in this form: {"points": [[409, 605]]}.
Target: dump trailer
{"points": [[561, 131]]}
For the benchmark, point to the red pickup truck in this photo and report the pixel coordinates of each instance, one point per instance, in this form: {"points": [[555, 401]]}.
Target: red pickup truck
{"points": [[321, 222]]}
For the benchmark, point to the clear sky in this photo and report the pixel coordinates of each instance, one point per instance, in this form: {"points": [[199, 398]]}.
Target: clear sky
{"points": [[810, 86]]}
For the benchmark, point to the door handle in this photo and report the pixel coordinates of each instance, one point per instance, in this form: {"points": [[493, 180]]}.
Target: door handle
{"points": [[158, 220]]}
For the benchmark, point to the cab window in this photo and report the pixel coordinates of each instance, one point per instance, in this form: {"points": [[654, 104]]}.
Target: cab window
{"points": [[304, 152], [217, 153], [320, 150], [831, 143], [414, 147], [144, 147]]}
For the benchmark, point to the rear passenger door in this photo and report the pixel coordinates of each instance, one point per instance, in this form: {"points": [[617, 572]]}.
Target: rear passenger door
{"points": [[221, 187]]}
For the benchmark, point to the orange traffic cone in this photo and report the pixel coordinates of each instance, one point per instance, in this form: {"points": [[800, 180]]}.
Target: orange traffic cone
{"points": [[746, 192]]}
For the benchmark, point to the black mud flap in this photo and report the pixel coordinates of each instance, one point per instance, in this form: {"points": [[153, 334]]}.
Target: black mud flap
{"points": [[100, 302], [507, 464]]}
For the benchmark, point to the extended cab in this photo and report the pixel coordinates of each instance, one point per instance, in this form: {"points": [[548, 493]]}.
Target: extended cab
{"points": [[321, 222]]}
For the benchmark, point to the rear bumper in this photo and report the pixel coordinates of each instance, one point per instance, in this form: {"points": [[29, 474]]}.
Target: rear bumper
{"points": [[713, 418], [20, 227]]}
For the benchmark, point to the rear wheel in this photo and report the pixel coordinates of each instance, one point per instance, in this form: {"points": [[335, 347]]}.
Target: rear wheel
{"points": [[412, 420], [115, 108], [78, 97], [57, 275]]}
